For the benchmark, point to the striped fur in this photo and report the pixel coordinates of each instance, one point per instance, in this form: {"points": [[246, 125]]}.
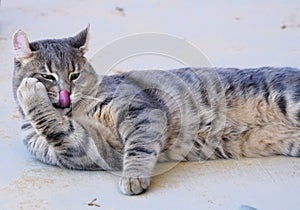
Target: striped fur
{"points": [[132, 120]]}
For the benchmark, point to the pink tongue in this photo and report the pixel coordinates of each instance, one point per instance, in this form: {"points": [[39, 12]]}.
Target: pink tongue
{"points": [[64, 99]]}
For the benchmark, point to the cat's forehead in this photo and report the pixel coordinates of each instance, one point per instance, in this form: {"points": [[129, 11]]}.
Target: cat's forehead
{"points": [[55, 55], [50, 45], [53, 48]]}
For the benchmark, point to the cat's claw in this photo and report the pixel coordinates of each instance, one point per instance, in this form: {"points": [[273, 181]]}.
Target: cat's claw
{"points": [[30, 92], [134, 185]]}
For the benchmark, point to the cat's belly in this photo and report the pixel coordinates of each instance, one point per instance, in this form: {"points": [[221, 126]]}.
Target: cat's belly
{"points": [[253, 127]]}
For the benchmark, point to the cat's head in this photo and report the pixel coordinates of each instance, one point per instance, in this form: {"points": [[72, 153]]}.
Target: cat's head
{"points": [[59, 64]]}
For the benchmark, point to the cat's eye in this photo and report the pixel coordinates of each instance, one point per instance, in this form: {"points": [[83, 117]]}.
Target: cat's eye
{"points": [[74, 76], [48, 76]]}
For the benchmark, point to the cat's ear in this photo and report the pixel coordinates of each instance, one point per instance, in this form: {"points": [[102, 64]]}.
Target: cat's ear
{"points": [[21, 46], [81, 40]]}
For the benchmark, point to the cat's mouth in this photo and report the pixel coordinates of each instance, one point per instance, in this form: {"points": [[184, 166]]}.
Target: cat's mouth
{"points": [[57, 106]]}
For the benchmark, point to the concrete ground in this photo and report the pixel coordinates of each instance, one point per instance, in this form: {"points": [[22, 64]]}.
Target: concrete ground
{"points": [[229, 33]]}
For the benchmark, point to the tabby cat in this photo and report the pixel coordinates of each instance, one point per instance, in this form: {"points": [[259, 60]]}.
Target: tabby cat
{"points": [[75, 119]]}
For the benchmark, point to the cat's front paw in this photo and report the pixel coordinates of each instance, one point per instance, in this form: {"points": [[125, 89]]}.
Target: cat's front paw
{"points": [[134, 185], [30, 93]]}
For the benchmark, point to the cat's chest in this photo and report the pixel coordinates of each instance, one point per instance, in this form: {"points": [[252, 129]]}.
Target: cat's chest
{"points": [[103, 115], [99, 122]]}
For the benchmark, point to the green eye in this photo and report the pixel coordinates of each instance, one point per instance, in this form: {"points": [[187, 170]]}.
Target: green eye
{"points": [[74, 76], [48, 76]]}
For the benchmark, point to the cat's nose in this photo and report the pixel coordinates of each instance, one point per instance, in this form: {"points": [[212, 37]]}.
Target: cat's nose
{"points": [[64, 100]]}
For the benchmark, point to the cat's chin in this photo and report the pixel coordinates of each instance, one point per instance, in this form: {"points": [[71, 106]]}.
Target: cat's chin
{"points": [[63, 111]]}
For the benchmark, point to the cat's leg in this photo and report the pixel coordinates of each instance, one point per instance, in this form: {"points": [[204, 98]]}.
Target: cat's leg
{"points": [[292, 148], [269, 140], [37, 144], [51, 137], [265, 147], [144, 139]]}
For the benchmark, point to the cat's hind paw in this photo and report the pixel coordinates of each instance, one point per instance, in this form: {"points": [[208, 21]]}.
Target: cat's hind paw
{"points": [[134, 185]]}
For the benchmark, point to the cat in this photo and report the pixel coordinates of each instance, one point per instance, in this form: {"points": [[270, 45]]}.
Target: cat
{"points": [[76, 119]]}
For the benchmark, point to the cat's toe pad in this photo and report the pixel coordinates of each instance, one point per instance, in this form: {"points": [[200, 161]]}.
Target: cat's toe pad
{"points": [[134, 185]]}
